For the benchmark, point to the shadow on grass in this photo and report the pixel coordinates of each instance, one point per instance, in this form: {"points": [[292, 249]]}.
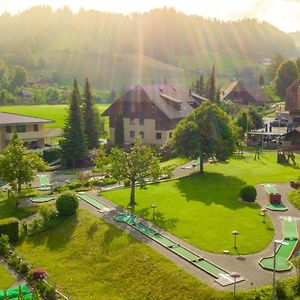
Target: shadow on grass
{"points": [[110, 234], [213, 188], [159, 218]]}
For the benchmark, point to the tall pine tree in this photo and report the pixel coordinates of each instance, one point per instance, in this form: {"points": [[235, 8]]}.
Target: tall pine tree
{"points": [[91, 118], [74, 143], [211, 86]]}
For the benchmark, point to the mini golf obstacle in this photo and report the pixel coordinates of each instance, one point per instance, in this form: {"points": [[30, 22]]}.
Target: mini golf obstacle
{"points": [[21, 292], [221, 276], [194, 164], [274, 198], [44, 183], [42, 199], [102, 207], [284, 252]]}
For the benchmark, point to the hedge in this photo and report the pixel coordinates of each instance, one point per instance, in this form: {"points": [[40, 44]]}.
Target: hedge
{"points": [[52, 154], [10, 226]]}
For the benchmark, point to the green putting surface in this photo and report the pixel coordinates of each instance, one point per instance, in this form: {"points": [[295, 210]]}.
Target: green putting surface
{"points": [[129, 219], [184, 253], [290, 230], [196, 162], [163, 240], [42, 199], [13, 293], [44, 180], [144, 229], [270, 189], [210, 268], [91, 200], [276, 207]]}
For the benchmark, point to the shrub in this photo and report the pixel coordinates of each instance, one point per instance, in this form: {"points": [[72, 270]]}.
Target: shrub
{"points": [[39, 274], [24, 268], [10, 226], [4, 245], [52, 154], [67, 204], [14, 261], [248, 193]]}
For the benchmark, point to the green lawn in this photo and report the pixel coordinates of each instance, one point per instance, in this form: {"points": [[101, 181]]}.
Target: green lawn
{"points": [[53, 112], [91, 259], [174, 162], [6, 280], [205, 209], [294, 198]]}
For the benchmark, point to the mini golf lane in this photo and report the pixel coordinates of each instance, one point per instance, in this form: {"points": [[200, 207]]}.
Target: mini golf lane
{"points": [[94, 202], [284, 252], [42, 199], [270, 189], [221, 276], [44, 180]]}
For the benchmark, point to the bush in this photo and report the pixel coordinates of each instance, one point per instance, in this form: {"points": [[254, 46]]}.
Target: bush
{"points": [[67, 204], [4, 245], [51, 155], [10, 226], [24, 268], [248, 193], [39, 274], [14, 261]]}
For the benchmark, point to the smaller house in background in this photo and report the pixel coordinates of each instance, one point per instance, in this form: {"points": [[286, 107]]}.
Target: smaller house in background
{"points": [[25, 94], [42, 81], [292, 104], [240, 93]]}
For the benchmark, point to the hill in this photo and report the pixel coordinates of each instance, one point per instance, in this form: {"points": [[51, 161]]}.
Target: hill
{"points": [[115, 51]]}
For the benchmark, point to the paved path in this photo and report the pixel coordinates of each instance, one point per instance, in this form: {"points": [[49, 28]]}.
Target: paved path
{"points": [[246, 265], [19, 279]]}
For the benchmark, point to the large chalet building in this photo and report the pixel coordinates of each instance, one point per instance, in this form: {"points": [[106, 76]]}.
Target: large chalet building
{"points": [[241, 93], [151, 112], [30, 130], [292, 104]]}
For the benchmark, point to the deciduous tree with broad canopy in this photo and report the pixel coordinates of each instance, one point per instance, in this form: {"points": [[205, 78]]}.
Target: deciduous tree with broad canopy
{"points": [[18, 165], [137, 166], [205, 132]]}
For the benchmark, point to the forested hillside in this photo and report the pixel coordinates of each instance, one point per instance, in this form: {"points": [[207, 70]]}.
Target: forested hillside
{"points": [[115, 51]]}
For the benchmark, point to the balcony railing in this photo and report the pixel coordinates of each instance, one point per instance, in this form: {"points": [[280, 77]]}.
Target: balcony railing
{"points": [[33, 135]]}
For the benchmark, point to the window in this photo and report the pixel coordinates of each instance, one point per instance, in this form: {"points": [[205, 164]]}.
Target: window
{"points": [[158, 135], [35, 127], [132, 121], [170, 134], [8, 129], [132, 134], [142, 121], [21, 128], [142, 134], [153, 109]]}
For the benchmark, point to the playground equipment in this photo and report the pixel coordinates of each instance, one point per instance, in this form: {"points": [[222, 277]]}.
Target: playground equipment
{"points": [[285, 250], [221, 276], [274, 198], [284, 156], [21, 292], [102, 207]]}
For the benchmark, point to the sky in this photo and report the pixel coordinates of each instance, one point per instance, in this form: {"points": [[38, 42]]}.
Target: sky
{"points": [[284, 14]]}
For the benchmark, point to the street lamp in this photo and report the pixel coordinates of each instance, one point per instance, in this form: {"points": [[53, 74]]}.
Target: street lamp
{"points": [[130, 209], [153, 206], [235, 233], [276, 242], [263, 213], [235, 276]]}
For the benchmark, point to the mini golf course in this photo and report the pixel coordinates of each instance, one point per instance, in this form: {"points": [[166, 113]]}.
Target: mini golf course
{"points": [[194, 164], [221, 276], [284, 252], [44, 183], [94, 202], [21, 292], [271, 189], [42, 199], [274, 205]]}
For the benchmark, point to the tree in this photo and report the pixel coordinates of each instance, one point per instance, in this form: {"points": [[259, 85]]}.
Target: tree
{"points": [[119, 130], [286, 75], [242, 121], [298, 64], [56, 78], [91, 118], [218, 95], [19, 77], [211, 86], [100, 158], [261, 80], [74, 143], [136, 166], [18, 165], [276, 61], [205, 132], [255, 119], [200, 86]]}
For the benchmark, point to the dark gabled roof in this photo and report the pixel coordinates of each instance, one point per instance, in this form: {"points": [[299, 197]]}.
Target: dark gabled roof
{"points": [[174, 101], [255, 91], [15, 119], [292, 101]]}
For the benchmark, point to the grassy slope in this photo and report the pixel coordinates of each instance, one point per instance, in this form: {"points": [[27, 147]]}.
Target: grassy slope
{"points": [[294, 197], [54, 112], [199, 208], [6, 280], [94, 260]]}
